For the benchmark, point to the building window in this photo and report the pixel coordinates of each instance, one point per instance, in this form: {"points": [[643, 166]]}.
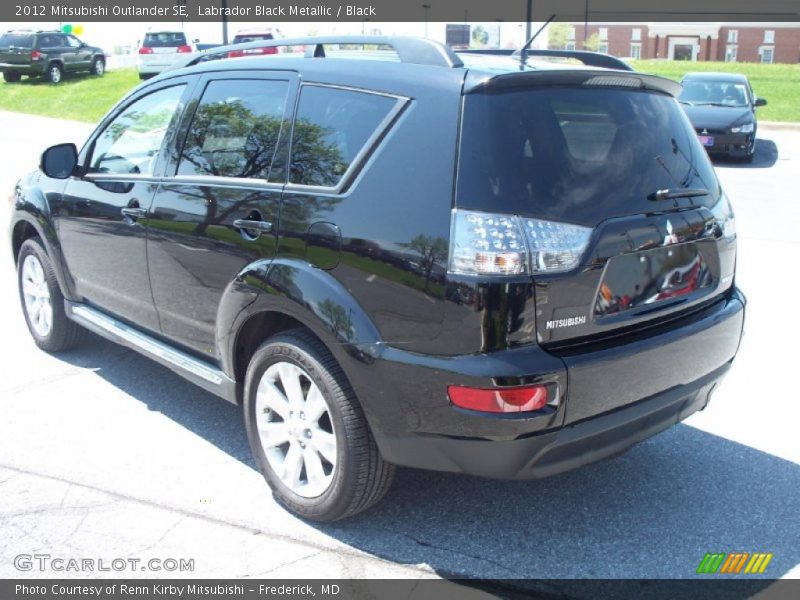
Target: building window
{"points": [[602, 48], [766, 54], [571, 34], [570, 46], [769, 36], [636, 51], [733, 36], [636, 35], [730, 54], [603, 33]]}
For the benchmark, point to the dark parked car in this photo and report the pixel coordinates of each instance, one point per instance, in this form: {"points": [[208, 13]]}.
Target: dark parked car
{"points": [[48, 54], [722, 109], [548, 277]]}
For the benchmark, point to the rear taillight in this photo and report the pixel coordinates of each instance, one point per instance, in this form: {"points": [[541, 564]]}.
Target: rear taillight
{"points": [[36, 55], [499, 400], [184, 49], [145, 50], [493, 244], [235, 53]]}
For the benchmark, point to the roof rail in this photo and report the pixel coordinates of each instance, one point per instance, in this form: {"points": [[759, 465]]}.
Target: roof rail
{"points": [[409, 49], [590, 59]]}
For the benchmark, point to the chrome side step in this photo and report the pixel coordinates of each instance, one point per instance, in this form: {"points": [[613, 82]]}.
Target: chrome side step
{"points": [[201, 373]]}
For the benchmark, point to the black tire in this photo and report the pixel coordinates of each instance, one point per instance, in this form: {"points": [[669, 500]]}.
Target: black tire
{"points": [[63, 333], [361, 477], [54, 73], [11, 77], [98, 67]]}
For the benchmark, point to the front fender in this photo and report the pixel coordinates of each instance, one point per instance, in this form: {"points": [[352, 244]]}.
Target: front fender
{"points": [[31, 209]]}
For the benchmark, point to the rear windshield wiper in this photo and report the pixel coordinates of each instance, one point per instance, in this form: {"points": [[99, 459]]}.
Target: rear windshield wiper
{"points": [[671, 193]]}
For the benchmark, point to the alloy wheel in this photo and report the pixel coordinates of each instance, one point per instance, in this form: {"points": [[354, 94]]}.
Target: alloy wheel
{"points": [[37, 296], [296, 430]]}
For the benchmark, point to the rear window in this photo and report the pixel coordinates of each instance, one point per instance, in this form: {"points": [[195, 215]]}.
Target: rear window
{"points": [[165, 39], [18, 40], [241, 39], [575, 154]]}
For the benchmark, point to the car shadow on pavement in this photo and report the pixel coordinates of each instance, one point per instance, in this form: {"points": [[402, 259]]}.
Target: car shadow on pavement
{"points": [[651, 513], [766, 156]]}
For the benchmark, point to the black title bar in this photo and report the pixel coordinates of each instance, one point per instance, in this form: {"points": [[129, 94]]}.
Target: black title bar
{"points": [[455, 11]]}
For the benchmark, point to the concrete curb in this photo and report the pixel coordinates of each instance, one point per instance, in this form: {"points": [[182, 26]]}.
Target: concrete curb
{"points": [[778, 126]]}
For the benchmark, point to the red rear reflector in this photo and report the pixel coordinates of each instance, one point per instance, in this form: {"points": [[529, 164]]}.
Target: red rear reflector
{"points": [[499, 400], [36, 55], [184, 49], [145, 50]]}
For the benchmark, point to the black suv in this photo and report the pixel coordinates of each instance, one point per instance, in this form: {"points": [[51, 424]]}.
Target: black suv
{"points": [[49, 54], [494, 266]]}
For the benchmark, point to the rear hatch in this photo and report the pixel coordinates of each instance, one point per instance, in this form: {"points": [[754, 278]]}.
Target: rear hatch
{"points": [[163, 47], [622, 213], [16, 48]]}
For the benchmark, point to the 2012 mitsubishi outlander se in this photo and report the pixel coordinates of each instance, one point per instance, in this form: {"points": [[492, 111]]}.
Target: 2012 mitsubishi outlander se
{"points": [[495, 266]]}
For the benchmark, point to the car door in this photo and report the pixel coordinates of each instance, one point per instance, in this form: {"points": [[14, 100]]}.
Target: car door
{"points": [[102, 214], [80, 52], [218, 211], [68, 54]]}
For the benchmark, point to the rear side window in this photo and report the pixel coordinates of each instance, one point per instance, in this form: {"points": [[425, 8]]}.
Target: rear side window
{"points": [[18, 40], [235, 130], [50, 41], [331, 128], [575, 154], [164, 39], [131, 142]]}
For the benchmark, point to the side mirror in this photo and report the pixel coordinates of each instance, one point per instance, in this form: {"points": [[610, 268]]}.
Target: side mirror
{"points": [[196, 41], [59, 161], [760, 102]]}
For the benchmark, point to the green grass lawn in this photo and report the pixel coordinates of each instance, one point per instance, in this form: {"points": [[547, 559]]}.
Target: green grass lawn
{"points": [[779, 84], [78, 97]]}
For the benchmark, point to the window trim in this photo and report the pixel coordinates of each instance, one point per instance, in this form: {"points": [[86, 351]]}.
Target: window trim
{"points": [[367, 150]]}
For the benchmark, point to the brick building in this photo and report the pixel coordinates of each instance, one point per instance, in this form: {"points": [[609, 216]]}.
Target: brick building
{"points": [[729, 42]]}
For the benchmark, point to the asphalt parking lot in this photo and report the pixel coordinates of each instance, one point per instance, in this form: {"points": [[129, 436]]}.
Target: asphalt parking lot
{"points": [[104, 454]]}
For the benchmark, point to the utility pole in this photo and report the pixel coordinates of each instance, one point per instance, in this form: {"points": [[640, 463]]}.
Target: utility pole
{"points": [[528, 19], [427, 7], [224, 22], [585, 24]]}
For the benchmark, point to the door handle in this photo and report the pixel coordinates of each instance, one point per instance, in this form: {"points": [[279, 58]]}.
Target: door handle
{"points": [[263, 226], [134, 212]]}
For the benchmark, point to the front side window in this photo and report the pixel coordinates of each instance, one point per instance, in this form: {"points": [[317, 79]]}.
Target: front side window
{"points": [[73, 42], [331, 128], [235, 130], [131, 143]]}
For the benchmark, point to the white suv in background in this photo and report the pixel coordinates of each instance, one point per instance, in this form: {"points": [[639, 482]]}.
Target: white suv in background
{"points": [[161, 49]]}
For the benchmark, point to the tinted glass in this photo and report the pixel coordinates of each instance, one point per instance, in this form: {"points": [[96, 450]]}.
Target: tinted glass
{"points": [[331, 127], [240, 39], [49, 41], [18, 40], [575, 154], [235, 130], [130, 144], [715, 93], [165, 39], [73, 42]]}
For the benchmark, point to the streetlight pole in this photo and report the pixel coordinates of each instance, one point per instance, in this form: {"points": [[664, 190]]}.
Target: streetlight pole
{"points": [[224, 22], [528, 19]]}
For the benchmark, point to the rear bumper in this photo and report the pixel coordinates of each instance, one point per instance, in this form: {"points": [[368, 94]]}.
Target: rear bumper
{"points": [[573, 446], [615, 398], [26, 69]]}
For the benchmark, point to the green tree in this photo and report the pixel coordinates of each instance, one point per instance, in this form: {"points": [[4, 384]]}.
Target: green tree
{"points": [[592, 42], [558, 36], [431, 250]]}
